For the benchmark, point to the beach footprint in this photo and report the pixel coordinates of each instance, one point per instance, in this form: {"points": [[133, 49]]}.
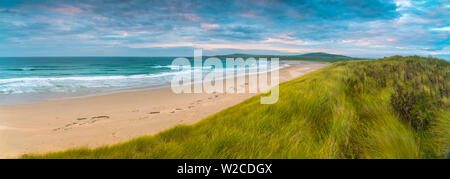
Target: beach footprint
{"points": [[81, 122], [175, 110], [100, 117]]}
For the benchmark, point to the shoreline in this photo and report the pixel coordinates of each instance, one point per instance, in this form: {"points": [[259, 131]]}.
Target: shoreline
{"points": [[55, 125], [30, 98]]}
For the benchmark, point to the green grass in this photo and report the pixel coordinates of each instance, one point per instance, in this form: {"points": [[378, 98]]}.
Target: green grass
{"points": [[396, 107]]}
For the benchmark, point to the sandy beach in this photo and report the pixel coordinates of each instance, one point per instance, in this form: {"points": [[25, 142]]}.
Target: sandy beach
{"points": [[56, 125]]}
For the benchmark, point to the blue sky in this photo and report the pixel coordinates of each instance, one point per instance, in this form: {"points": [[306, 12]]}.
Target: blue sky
{"points": [[356, 28]]}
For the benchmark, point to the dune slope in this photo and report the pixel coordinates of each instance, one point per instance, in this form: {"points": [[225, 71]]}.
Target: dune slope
{"points": [[396, 107]]}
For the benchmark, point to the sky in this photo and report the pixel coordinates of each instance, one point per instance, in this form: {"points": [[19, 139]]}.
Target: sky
{"points": [[358, 28]]}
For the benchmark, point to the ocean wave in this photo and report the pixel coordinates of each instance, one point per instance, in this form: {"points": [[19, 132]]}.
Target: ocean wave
{"points": [[69, 84], [174, 67], [32, 69], [84, 78], [80, 83]]}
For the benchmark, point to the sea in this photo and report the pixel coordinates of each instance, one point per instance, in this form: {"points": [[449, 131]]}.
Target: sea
{"points": [[34, 79]]}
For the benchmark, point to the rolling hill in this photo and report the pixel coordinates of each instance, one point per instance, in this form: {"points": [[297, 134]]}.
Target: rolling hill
{"points": [[320, 57]]}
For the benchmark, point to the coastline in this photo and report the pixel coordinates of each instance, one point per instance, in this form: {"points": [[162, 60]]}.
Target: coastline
{"points": [[99, 120], [27, 98]]}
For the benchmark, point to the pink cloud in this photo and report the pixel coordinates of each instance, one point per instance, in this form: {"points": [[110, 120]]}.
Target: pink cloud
{"points": [[239, 46], [63, 9], [210, 26]]}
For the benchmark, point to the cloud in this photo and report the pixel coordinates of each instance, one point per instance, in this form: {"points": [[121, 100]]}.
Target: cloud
{"points": [[118, 35], [283, 41], [207, 27], [238, 46], [403, 4], [63, 9], [441, 29], [374, 27]]}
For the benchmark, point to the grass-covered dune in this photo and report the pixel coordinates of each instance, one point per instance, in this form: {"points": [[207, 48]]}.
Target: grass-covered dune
{"points": [[396, 107]]}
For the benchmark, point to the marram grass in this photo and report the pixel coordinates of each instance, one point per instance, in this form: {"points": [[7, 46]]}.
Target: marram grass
{"points": [[396, 107]]}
